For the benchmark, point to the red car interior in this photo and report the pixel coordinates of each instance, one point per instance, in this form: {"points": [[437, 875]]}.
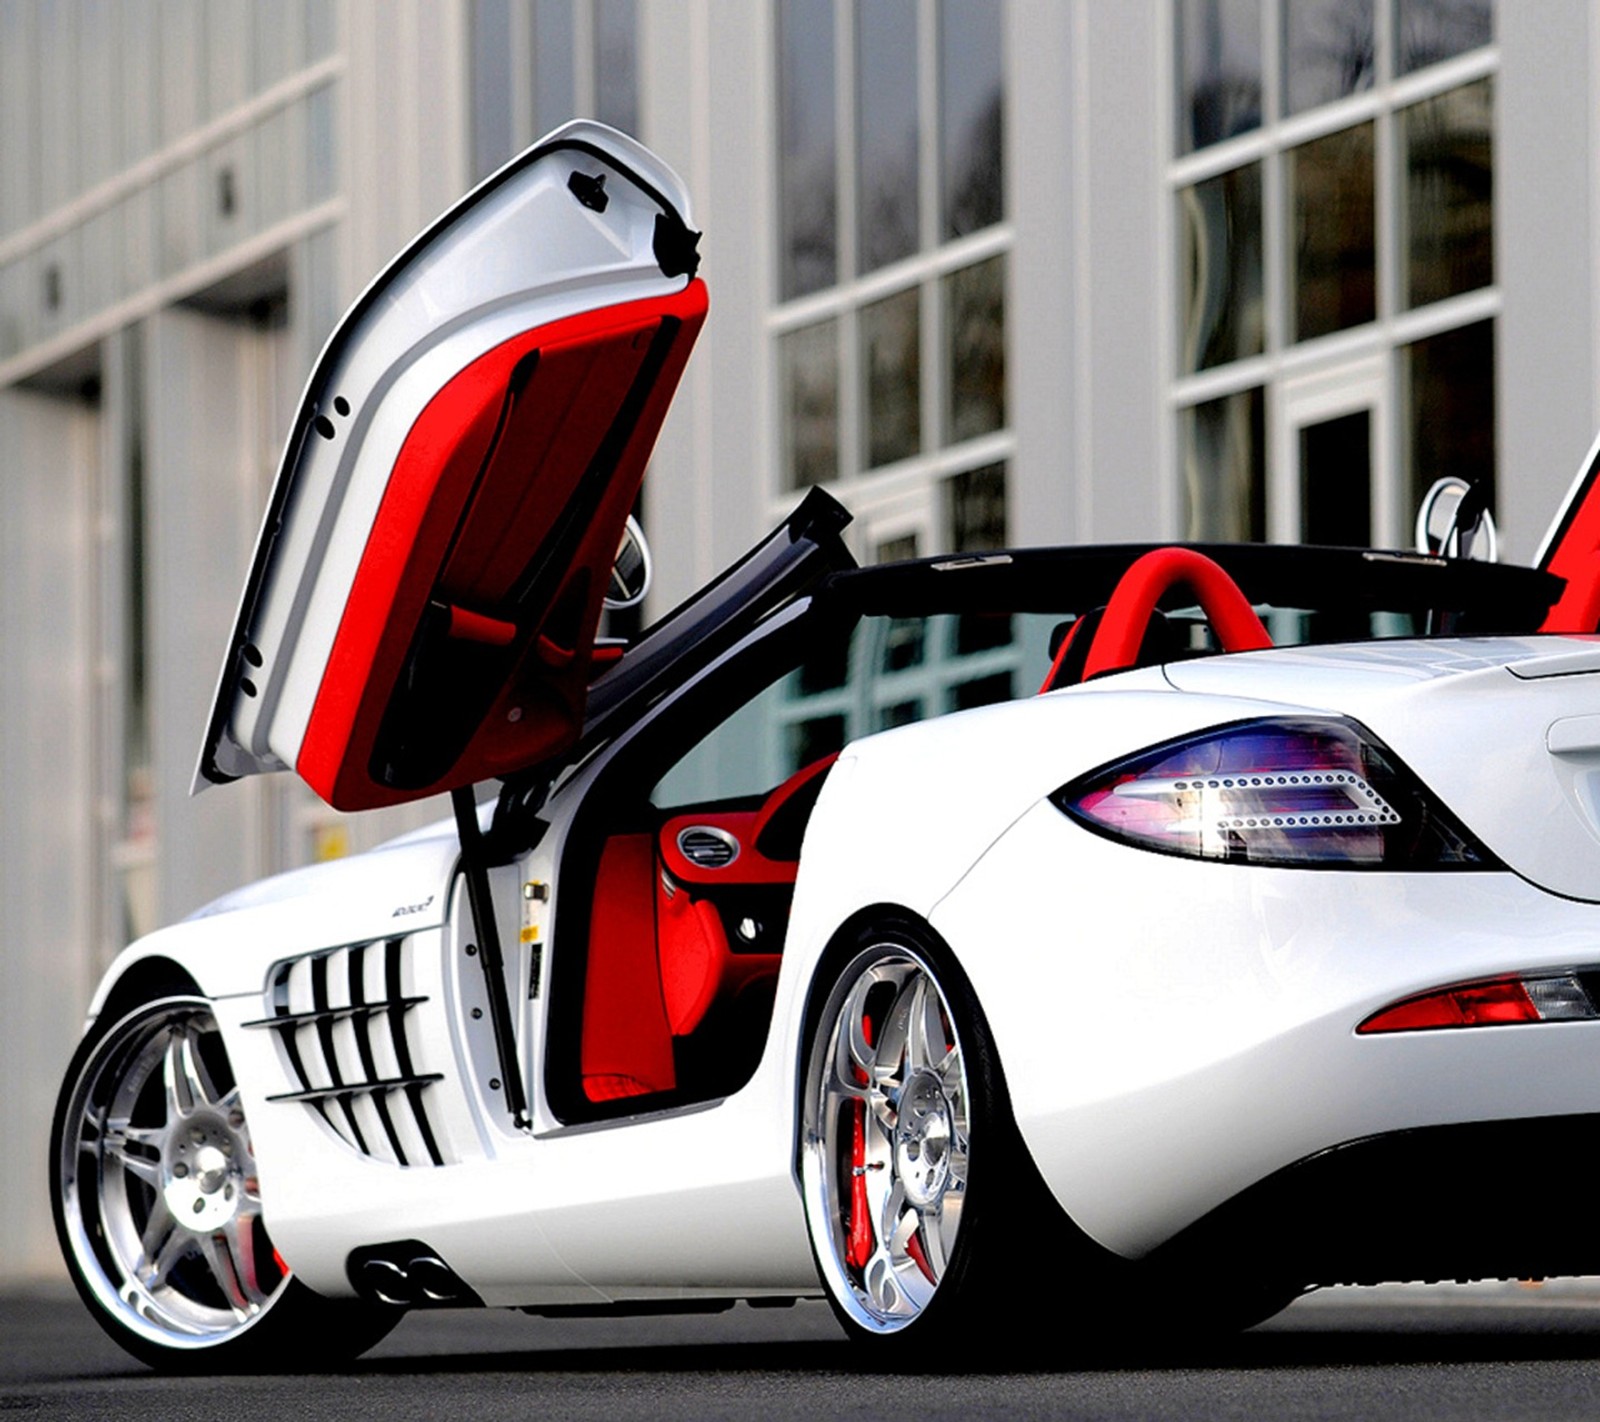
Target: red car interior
{"points": [[663, 963]]}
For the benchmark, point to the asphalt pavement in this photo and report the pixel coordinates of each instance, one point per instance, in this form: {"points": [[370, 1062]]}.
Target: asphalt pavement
{"points": [[1488, 1351]]}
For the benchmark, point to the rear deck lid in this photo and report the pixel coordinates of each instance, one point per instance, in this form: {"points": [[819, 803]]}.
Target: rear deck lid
{"points": [[421, 609]]}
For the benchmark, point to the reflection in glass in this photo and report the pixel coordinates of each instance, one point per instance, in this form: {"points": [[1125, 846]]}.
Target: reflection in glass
{"points": [[971, 116], [891, 371], [1219, 69], [808, 256], [826, 669], [886, 132], [554, 101], [1222, 303], [1336, 481], [902, 713], [975, 349], [1224, 469], [981, 632], [975, 509], [981, 691], [812, 739], [1328, 51], [1431, 30], [904, 640], [1449, 213], [1335, 260], [808, 361], [616, 64], [1449, 385]]}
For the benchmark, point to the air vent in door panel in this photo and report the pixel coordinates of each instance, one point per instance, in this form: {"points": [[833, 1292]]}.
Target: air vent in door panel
{"points": [[707, 847]]}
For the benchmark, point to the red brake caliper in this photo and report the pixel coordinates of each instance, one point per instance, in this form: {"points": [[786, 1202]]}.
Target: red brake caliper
{"points": [[858, 1244]]}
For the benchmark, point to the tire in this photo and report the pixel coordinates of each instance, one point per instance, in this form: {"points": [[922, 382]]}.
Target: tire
{"points": [[905, 1146], [153, 1185]]}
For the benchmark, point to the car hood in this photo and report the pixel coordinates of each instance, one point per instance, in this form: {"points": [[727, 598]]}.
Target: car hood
{"points": [[1506, 731], [421, 609]]}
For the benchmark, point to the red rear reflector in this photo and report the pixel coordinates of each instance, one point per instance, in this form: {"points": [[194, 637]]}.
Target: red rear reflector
{"points": [[1480, 1005]]}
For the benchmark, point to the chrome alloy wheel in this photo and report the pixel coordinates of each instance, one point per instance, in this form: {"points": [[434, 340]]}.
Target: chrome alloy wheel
{"points": [[885, 1138], [158, 1199]]}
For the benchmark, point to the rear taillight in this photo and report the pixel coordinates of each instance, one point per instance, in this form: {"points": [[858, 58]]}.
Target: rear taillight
{"points": [[1303, 792], [1497, 1003]]}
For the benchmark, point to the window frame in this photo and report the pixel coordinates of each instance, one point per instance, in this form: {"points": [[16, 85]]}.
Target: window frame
{"points": [[1282, 359], [871, 490]]}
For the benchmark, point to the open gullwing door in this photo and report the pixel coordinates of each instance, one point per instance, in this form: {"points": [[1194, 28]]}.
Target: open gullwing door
{"points": [[421, 610]]}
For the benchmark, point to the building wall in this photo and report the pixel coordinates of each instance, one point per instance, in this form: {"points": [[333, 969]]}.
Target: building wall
{"points": [[206, 184]]}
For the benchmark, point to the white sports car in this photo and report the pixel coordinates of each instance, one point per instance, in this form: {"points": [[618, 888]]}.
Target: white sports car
{"points": [[1264, 943]]}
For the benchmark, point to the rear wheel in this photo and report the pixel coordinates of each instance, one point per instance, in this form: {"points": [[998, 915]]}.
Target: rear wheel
{"points": [[902, 1095], [158, 1206]]}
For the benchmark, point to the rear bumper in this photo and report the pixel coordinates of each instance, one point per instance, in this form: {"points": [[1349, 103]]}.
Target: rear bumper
{"points": [[1485, 1200]]}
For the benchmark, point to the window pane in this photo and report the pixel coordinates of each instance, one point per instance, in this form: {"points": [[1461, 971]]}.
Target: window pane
{"points": [[554, 100], [886, 105], [1431, 30], [616, 64], [1327, 51], [971, 144], [1449, 381], [1336, 481], [1449, 193], [1222, 305], [1219, 69], [975, 349], [491, 85], [807, 160], [1335, 265], [809, 362], [1224, 470], [976, 509], [975, 514], [891, 333]]}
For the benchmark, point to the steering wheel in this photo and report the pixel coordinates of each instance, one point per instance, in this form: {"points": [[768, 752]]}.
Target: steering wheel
{"points": [[1133, 603]]}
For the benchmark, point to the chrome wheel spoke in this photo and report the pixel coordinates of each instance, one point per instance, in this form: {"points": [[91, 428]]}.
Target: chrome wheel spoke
{"points": [[230, 1254], [894, 1045], [926, 1048], [134, 1149], [932, 1237], [163, 1244], [188, 1083]]}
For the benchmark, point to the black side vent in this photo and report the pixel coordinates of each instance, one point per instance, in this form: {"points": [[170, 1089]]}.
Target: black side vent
{"points": [[341, 1016], [707, 847]]}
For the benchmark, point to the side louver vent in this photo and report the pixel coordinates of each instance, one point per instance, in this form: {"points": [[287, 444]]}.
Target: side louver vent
{"points": [[341, 1017], [707, 847]]}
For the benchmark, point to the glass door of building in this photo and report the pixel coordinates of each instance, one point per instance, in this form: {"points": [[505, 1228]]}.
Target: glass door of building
{"points": [[1334, 471]]}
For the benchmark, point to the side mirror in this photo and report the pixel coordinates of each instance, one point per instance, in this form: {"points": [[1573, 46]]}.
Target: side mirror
{"points": [[631, 572], [1454, 522]]}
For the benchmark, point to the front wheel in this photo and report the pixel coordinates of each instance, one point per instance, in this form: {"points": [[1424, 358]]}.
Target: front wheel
{"points": [[158, 1207], [904, 1144]]}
